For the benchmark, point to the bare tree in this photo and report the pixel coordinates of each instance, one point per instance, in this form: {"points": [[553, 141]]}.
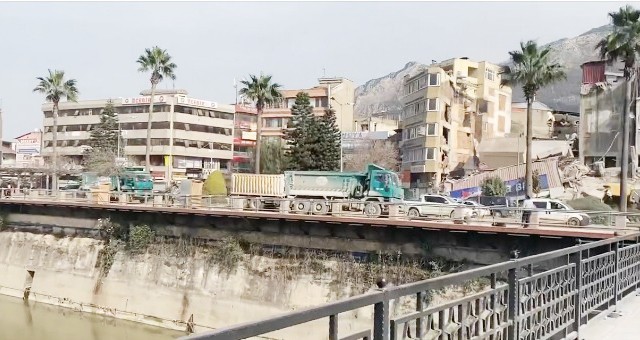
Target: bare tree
{"points": [[101, 161], [380, 152]]}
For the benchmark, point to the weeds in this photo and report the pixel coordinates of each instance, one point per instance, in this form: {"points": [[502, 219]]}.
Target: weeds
{"points": [[140, 236]]}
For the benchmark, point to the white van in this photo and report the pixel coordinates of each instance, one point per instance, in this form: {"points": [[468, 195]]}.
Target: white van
{"points": [[556, 212]]}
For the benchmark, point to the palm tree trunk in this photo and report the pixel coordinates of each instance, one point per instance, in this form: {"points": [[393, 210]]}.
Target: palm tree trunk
{"points": [[528, 171], [54, 177], [624, 157], [258, 139], [147, 156]]}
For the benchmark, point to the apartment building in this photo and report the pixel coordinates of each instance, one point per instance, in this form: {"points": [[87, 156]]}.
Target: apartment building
{"points": [[189, 137], [448, 108], [335, 93], [601, 107]]}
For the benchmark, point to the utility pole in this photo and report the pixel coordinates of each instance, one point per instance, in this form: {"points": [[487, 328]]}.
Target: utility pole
{"points": [[624, 167]]}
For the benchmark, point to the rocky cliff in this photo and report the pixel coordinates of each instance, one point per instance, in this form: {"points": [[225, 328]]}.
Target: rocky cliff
{"points": [[383, 94]]}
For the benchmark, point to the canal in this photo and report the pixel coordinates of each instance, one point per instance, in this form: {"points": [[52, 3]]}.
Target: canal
{"points": [[38, 321]]}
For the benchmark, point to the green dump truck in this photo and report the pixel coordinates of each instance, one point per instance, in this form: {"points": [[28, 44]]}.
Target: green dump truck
{"points": [[321, 192], [134, 180]]}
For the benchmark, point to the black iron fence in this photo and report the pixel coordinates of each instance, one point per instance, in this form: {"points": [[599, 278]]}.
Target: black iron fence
{"points": [[545, 296]]}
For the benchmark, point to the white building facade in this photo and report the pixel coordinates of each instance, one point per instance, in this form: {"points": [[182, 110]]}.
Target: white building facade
{"points": [[189, 137]]}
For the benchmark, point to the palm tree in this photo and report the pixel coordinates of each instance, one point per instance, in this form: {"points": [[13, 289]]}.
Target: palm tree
{"points": [[158, 62], [55, 88], [263, 92], [532, 69], [623, 44]]}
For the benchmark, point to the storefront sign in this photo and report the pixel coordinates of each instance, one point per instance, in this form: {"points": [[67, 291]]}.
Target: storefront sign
{"points": [[515, 188], [144, 100], [197, 102]]}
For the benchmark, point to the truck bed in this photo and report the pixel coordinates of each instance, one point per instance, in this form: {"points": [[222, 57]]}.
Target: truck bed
{"points": [[257, 185]]}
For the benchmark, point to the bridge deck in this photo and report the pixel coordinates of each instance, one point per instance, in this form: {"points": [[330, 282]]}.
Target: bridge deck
{"points": [[625, 326], [485, 227]]}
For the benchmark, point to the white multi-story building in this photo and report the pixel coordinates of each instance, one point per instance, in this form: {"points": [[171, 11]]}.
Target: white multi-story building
{"points": [[189, 136]]}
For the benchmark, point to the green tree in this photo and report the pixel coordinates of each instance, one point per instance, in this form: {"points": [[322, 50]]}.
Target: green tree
{"points": [[105, 144], [273, 157], [105, 134], [263, 92], [158, 62], [532, 68], [303, 135], [55, 88], [215, 184], [329, 142], [493, 186], [623, 44]]}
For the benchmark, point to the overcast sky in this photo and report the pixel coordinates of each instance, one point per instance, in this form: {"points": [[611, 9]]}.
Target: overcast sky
{"points": [[98, 43]]}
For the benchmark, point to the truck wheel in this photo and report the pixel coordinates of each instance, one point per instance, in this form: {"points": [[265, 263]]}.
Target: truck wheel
{"points": [[574, 222], [255, 204], [413, 213], [319, 208], [372, 209], [301, 207]]}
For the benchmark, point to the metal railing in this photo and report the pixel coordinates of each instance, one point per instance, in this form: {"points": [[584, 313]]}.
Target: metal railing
{"points": [[545, 296], [400, 211]]}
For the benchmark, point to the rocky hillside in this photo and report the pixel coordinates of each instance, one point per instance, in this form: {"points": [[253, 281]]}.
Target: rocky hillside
{"points": [[383, 94]]}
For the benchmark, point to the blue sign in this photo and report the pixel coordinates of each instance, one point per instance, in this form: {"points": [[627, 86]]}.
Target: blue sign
{"points": [[515, 188]]}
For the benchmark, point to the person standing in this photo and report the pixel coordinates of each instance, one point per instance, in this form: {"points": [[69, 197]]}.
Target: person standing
{"points": [[527, 207]]}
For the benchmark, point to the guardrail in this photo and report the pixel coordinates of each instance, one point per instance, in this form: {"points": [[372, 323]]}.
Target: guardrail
{"points": [[545, 296], [394, 210]]}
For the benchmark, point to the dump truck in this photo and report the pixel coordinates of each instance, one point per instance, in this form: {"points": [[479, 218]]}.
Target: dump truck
{"points": [[134, 180], [320, 192]]}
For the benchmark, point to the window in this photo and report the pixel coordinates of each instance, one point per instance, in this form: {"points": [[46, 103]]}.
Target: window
{"points": [[430, 153], [432, 104], [490, 74], [502, 102], [434, 79], [432, 129], [540, 205]]}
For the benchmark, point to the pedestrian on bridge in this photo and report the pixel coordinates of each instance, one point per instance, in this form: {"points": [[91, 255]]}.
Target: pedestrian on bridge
{"points": [[527, 207]]}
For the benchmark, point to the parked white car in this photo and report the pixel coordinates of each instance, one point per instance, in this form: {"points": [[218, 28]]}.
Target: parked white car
{"points": [[479, 210], [436, 205], [556, 212]]}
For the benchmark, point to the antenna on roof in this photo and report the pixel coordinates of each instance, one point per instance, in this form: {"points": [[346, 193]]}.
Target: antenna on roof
{"points": [[324, 72]]}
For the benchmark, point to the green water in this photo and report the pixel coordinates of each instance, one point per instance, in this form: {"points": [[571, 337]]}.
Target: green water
{"points": [[38, 321]]}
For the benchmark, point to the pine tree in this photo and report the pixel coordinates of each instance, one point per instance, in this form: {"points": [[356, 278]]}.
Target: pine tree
{"points": [[329, 142], [105, 134], [301, 136], [273, 158], [103, 143]]}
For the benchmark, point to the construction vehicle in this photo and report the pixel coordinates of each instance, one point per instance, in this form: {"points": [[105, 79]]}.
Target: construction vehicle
{"points": [[134, 180], [320, 192]]}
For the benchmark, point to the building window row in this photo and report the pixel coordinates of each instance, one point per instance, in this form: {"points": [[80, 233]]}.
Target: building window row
{"points": [[490, 74], [419, 155], [143, 141], [275, 122], [154, 125], [429, 129], [429, 79], [143, 109], [203, 112], [429, 104]]}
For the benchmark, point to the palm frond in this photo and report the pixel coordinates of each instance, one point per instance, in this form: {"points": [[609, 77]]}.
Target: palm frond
{"points": [[158, 62]]}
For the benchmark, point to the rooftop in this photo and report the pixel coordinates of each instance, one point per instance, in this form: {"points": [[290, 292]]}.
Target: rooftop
{"points": [[536, 106]]}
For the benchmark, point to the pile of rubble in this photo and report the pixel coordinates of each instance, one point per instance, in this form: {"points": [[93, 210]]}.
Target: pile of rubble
{"points": [[573, 175]]}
